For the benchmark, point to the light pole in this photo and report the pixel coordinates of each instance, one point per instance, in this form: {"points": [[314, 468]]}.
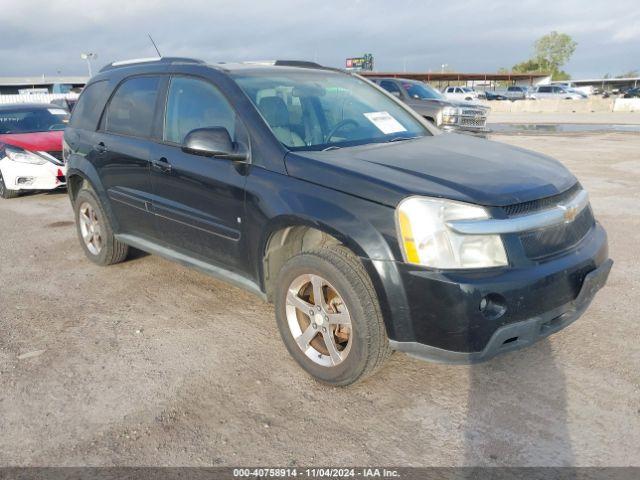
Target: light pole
{"points": [[88, 57], [444, 65]]}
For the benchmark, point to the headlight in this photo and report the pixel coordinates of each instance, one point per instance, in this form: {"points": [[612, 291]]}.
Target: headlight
{"points": [[23, 156], [426, 240], [450, 115]]}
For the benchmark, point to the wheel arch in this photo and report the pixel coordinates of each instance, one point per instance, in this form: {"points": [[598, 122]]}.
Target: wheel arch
{"points": [[288, 236], [81, 172]]}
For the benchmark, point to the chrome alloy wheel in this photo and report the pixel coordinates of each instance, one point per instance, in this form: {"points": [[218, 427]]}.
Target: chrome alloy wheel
{"points": [[319, 320], [90, 228]]}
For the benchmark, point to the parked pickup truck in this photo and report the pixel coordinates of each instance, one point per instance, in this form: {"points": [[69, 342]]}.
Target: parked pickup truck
{"points": [[450, 115], [368, 228]]}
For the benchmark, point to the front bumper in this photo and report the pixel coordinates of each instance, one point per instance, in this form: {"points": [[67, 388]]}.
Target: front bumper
{"points": [[476, 132], [26, 176], [440, 316], [520, 334]]}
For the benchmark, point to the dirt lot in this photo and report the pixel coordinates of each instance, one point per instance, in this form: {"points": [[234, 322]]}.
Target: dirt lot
{"points": [[150, 363]]}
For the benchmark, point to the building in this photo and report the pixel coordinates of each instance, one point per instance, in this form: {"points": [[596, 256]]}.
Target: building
{"points": [[41, 84], [605, 83], [484, 80]]}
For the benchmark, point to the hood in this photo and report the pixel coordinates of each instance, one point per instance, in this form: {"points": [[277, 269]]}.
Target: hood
{"points": [[459, 167], [432, 101], [35, 142], [462, 104], [447, 103]]}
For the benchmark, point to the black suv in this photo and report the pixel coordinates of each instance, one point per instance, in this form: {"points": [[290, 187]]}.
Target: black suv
{"points": [[317, 190]]}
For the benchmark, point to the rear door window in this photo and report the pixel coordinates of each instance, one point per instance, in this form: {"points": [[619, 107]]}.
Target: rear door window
{"points": [[86, 113], [132, 107]]}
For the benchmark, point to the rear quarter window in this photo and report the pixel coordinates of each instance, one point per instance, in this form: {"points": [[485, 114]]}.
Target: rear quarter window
{"points": [[86, 113]]}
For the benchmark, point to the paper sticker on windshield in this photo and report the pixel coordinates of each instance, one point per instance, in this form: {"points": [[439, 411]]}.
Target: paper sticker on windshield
{"points": [[57, 111], [385, 122]]}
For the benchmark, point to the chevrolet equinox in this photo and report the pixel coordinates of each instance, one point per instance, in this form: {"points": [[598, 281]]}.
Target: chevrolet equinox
{"points": [[369, 229]]}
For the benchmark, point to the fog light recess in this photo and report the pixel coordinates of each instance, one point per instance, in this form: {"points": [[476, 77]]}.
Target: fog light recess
{"points": [[493, 306]]}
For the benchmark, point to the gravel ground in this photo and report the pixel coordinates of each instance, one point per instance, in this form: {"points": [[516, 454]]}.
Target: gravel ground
{"points": [[149, 363]]}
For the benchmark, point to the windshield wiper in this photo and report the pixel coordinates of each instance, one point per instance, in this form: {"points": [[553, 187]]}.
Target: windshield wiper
{"points": [[332, 147], [401, 139]]}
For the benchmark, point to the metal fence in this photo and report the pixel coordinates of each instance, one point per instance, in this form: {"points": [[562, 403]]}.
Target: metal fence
{"points": [[36, 98]]}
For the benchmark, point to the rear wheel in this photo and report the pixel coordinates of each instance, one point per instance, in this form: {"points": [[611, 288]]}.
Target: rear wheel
{"points": [[329, 317], [95, 232], [5, 192]]}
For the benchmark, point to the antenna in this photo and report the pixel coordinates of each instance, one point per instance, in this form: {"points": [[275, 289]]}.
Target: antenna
{"points": [[154, 45]]}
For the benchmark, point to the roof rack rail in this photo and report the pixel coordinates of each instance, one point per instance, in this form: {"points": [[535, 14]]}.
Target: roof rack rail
{"points": [[160, 60], [291, 63], [297, 63]]}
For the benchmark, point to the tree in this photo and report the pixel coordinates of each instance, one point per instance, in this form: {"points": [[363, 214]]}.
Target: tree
{"points": [[527, 66], [553, 50], [629, 74], [561, 75]]}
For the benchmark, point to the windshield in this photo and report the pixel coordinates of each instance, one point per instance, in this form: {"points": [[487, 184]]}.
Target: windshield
{"points": [[421, 91], [318, 110], [29, 120]]}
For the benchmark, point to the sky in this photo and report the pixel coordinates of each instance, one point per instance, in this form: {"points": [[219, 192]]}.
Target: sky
{"points": [[47, 37]]}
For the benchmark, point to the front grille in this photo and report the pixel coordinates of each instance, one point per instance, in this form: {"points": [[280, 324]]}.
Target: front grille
{"points": [[473, 113], [473, 118], [540, 204], [472, 122], [550, 241]]}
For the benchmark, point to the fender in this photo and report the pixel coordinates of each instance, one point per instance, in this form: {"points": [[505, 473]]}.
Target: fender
{"points": [[276, 201]]}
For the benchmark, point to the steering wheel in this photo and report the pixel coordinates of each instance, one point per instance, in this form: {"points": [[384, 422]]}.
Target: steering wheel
{"points": [[339, 126]]}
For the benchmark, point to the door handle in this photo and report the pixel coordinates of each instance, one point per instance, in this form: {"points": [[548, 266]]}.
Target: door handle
{"points": [[162, 165], [100, 148]]}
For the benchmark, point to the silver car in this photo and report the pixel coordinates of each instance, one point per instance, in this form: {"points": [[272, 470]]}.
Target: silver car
{"points": [[556, 91]]}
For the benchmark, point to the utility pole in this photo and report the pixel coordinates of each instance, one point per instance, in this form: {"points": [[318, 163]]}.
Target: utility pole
{"points": [[88, 57]]}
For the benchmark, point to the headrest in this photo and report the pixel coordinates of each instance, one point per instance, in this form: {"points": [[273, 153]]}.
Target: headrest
{"points": [[274, 111]]}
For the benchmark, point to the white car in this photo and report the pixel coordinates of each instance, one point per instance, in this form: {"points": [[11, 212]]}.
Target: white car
{"points": [[556, 91], [31, 148], [465, 94]]}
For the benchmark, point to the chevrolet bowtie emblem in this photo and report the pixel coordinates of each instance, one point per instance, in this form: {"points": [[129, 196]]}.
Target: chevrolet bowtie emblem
{"points": [[570, 213]]}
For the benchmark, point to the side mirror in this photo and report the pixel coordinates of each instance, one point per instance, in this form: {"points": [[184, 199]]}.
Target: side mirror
{"points": [[212, 142]]}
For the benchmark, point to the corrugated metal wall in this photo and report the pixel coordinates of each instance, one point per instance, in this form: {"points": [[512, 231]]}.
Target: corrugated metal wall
{"points": [[36, 98]]}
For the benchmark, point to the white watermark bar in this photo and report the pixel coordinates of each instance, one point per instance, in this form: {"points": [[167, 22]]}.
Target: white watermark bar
{"points": [[225, 473]]}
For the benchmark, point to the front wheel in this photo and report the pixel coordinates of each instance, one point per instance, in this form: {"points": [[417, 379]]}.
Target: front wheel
{"points": [[329, 317], [5, 192]]}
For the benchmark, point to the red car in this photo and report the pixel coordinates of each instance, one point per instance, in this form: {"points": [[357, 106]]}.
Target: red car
{"points": [[31, 148]]}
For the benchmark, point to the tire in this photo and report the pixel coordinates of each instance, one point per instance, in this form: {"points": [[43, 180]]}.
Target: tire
{"points": [[110, 251], [367, 348], [5, 192]]}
